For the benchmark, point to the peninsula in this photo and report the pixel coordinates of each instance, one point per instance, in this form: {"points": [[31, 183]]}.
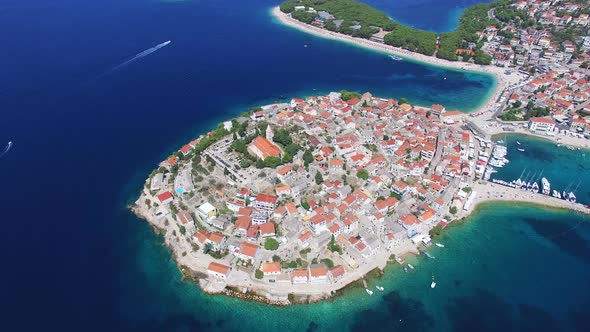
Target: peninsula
{"points": [[292, 202]]}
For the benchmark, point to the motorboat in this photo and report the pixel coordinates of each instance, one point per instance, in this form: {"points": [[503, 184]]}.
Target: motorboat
{"points": [[380, 288], [411, 266], [433, 283], [370, 292], [439, 245]]}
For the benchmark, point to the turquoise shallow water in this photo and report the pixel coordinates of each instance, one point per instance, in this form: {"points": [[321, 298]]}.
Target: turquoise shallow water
{"points": [[562, 167], [509, 267]]}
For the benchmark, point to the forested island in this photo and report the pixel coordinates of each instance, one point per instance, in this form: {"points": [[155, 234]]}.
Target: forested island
{"points": [[360, 20]]}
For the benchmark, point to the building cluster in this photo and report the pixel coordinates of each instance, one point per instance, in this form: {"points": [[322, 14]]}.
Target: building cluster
{"points": [[545, 43], [381, 176]]}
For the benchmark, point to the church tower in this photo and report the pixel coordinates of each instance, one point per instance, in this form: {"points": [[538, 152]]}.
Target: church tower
{"points": [[269, 133]]}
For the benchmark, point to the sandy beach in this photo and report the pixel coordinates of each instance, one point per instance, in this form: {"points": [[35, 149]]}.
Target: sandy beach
{"points": [[502, 80], [495, 192]]}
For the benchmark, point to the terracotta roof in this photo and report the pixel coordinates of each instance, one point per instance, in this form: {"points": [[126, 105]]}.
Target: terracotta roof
{"points": [[248, 249], [267, 228], [319, 271], [337, 271], [273, 267], [219, 268], [266, 147], [165, 196]]}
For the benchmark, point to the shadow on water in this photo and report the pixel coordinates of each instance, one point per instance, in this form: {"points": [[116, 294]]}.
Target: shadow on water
{"points": [[562, 235], [485, 311], [400, 314]]}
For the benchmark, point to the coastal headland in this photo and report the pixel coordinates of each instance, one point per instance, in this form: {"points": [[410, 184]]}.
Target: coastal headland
{"points": [[291, 202]]}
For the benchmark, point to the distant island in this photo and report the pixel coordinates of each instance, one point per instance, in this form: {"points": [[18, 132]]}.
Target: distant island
{"points": [[291, 202]]}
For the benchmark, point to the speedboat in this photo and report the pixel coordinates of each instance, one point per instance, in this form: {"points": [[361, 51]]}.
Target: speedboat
{"points": [[411, 266], [556, 194], [433, 283], [535, 187], [520, 149], [395, 57], [379, 288], [517, 142], [370, 292], [439, 245]]}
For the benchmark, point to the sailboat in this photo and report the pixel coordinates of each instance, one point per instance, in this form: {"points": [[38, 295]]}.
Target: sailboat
{"points": [[433, 283]]}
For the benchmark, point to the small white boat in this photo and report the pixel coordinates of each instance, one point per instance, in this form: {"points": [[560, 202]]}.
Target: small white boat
{"points": [[433, 283], [517, 142], [411, 266], [370, 292], [521, 150], [439, 245], [305, 45], [380, 288]]}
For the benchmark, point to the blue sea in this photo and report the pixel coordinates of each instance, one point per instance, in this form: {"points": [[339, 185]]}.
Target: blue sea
{"points": [[431, 15], [87, 131]]}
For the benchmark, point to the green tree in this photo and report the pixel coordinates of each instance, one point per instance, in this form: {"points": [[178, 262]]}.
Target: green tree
{"points": [[328, 262], [271, 244], [319, 179], [258, 274], [453, 210], [362, 174], [307, 156]]}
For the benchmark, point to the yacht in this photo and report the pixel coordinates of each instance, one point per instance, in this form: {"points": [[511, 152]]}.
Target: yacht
{"points": [[535, 187], [556, 194], [546, 186]]}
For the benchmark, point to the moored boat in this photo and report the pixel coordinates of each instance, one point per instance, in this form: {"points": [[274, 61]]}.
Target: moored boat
{"points": [[546, 186], [440, 245], [379, 288], [370, 292], [411, 266]]}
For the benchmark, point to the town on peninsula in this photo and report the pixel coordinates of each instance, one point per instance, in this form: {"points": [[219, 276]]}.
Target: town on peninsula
{"points": [[293, 201]]}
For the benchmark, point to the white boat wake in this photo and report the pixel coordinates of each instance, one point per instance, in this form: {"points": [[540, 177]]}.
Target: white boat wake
{"points": [[6, 149], [137, 57]]}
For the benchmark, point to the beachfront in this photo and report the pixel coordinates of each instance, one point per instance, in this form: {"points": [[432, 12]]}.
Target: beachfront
{"points": [[503, 80]]}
